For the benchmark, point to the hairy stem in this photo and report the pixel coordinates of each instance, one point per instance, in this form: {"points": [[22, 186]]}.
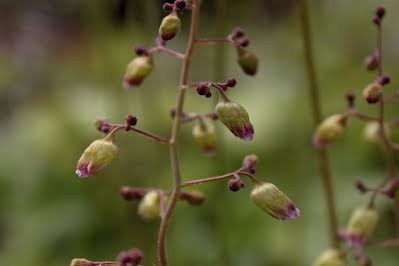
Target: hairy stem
{"points": [[174, 141], [323, 161]]}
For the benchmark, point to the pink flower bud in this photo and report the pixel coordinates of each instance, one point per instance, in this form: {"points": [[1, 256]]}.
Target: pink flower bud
{"points": [[139, 68], [273, 201], [235, 118], [98, 155], [170, 26]]}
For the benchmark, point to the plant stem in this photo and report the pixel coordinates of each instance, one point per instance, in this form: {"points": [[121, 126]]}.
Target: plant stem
{"points": [[323, 161], [175, 137]]}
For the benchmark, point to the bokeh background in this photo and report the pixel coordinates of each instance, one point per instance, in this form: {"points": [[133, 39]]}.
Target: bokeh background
{"points": [[61, 67]]}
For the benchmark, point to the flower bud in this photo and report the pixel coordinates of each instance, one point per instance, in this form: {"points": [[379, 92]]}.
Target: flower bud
{"points": [[371, 62], [98, 155], [235, 118], [149, 207], [329, 130], [273, 201], [132, 256], [247, 61], [249, 163], [205, 136], [372, 132], [139, 68], [372, 92], [81, 262], [330, 257], [170, 26], [194, 197], [361, 225], [235, 184]]}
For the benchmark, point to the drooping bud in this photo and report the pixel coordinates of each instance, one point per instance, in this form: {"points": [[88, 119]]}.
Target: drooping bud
{"points": [[273, 201], [330, 257], [361, 225], [247, 61], [149, 207], [235, 118], [170, 26], [372, 92], [372, 132], [329, 130], [81, 262], [98, 155], [249, 163], [205, 136], [139, 68]]}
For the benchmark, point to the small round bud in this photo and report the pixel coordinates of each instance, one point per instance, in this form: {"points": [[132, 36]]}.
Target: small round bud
{"points": [[208, 94], [231, 82], [350, 98], [202, 89], [236, 119], [237, 33], [235, 184], [247, 61], [380, 12], [167, 7], [140, 50], [361, 225], [330, 257], [131, 120], [205, 136], [149, 207], [372, 132], [126, 193], [137, 70], [249, 163], [133, 256], [361, 186], [371, 62], [377, 21], [180, 4], [384, 80], [329, 130], [273, 201], [173, 112], [170, 26], [127, 128], [244, 42], [372, 92]]}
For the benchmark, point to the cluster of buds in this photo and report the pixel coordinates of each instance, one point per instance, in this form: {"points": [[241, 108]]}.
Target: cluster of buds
{"points": [[329, 130], [171, 24], [204, 88]]}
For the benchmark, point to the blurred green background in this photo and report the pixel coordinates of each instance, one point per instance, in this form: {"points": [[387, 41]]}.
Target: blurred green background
{"points": [[61, 67]]}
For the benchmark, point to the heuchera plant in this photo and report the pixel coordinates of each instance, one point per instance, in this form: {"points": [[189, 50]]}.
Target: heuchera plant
{"points": [[158, 202]]}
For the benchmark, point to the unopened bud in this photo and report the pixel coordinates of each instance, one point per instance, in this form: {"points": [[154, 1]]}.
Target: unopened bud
{"points": [[371, 62], [81, 262], [372, 132], [247, 61], [330, 257], [249, 163], [131, 120], [149, 207], [98, 155], [372, 92], [273, 201], [329, 130], [205, 136], [137, 70], [180, 4], [361, 225], [235, 118], [170, 26], [132, 256], [235, 184]]}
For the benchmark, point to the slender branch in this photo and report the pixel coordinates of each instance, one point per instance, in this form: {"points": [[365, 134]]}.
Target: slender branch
{"points": [[206, 180], [356, 114], [323, 160], [175, 135], [207, 41], [167, 51], [150, 135], [385, 243]]}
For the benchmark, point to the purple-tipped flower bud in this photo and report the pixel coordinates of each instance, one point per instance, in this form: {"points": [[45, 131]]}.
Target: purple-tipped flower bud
{"points": [[273, 201], [131, 120], [371, 62], [149, 207], [361, 225], [170, 26], [235, 184], [329, 130], [137, 70], [81, 262], [330, 257], [247, 61], [205, 136], [249, 163], [235, 118], [372, 132], [98, 155], [372, 92]]}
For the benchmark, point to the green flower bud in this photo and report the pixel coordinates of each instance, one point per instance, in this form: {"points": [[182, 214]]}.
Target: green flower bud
{"points": [[329, 130], [372, 92], [361, 225], [149, 207], [205, 136], [330, 257], [170, 26], [235, 118], [247, 61], [372, 132], [139, 68], [98, 155], [273, 201]]}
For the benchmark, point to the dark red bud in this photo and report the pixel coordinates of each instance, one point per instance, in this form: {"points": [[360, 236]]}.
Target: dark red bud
{"points": [[361, 187], [173, 112], [384, 80], [126, 193], [376, 21], [350, 98], [168, 7], [235, 184], [180, 4], [127, 128], [208, 94], [244, 42], [131, 120], [202, 89], [231, 82], [105, 128], [238, 33], [133, 256], [140, 50], [380, 12]]}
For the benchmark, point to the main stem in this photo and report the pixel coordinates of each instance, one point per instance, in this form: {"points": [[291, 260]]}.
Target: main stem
{"points": [[174, 141], [323, 161]]}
